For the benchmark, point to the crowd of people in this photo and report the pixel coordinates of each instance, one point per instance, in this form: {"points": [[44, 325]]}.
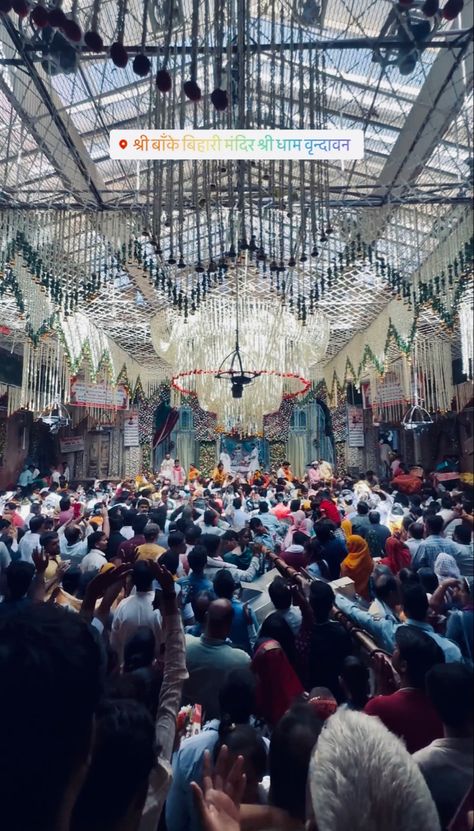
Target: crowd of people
{"points": [[141, 690]]}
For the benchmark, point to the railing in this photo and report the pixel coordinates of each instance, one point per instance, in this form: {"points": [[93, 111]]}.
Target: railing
{"points": [[378, 659]]}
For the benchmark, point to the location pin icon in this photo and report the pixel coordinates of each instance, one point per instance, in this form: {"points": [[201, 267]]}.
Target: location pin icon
{"points": [[123, 143]]}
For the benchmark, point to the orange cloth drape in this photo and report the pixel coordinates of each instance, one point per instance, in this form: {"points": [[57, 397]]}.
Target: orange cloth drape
{"points": [[358, 564]]}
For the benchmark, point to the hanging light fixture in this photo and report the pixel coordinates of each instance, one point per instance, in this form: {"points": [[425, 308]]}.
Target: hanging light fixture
{"points": [[234, 370], [55, 416], [416, 417]]}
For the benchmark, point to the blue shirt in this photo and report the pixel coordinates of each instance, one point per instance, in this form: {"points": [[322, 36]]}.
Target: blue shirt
{"points": [[384, 629], [192, 584], [429, 549], [181, 813], [239, 632]]}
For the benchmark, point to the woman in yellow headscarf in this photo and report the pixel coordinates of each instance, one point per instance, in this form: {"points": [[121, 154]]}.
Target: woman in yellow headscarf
{"points": [[358, 564]]}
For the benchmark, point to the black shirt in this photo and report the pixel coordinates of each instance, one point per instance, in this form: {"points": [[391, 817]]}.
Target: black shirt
{"points": [[330, 644]]}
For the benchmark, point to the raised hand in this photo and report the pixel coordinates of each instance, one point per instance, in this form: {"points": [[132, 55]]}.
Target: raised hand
{"points": [[40, 560], [164, 577], [219, 799], [104, 580]]}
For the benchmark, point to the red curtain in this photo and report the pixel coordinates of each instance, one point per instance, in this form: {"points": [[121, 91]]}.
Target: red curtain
{"points": [[165, 426]]}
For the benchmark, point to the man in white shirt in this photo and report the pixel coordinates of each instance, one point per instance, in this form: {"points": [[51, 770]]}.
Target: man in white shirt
{"points": [[136, 610], [55, 475], [166, 467], [280, 595], [52, 499], [31, 539], [237, 516], [97, 546]]}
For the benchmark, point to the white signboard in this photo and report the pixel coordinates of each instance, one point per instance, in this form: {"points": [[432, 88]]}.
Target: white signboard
{"points": [[130, 429], [72, 444], [98, 395], [355, 426], [237, 144]]}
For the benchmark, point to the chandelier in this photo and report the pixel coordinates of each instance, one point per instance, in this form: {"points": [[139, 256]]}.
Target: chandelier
{"points": [[276, 349], [55, 416]]}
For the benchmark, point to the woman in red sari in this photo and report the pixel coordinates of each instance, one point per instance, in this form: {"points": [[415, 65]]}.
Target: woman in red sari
{"points": [[277, 682], [398, 555]]}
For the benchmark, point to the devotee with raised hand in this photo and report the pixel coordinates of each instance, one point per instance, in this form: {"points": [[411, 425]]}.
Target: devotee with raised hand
{"points": [[130, 773], [237, 706], [137, 610]]}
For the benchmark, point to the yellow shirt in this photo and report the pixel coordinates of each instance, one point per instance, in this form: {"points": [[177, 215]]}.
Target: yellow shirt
{"points": [[218, 477], [150, 551]]}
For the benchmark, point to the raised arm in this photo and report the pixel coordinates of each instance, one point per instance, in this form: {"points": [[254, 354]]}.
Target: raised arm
{"points": [[174, 675]]}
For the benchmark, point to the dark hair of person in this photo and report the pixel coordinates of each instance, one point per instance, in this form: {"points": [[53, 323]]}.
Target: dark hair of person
{"points": [[158, 515], [197, 559], [324, 530], [374, 517], [93, 539], [243, 740], [229, 536], [434, 524], [291, 746], [321, 598], [237, 503], [280, 593], [64, 503], [47, 538], [428, 579], [419, 651], [295, 505], [237, 697], [122, 759], [170, 560], [401, 499], [450, 690], [209, 517], [142, 576], [139, 650], [263, 506], [255, 523], [415, 602], [72, 534], [19, 576], [210, 543], [224, 585], [415, 529], [47, 655], [192, 534], [36, 522], [356, 678], [175, 539], [463, 533], [276, 628], [71, 580], [408, 577], [384, 585], [138, 523], [362, 508], [300, 538], [446, 501], [200, 603], [115, 520]]}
